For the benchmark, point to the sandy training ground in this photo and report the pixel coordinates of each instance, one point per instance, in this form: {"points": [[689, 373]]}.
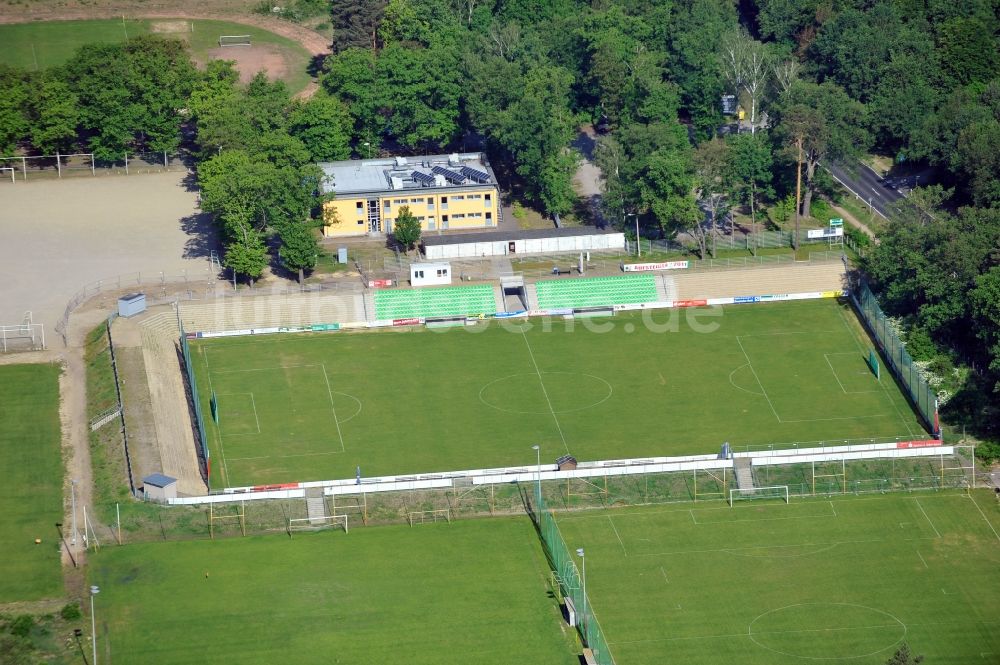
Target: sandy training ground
{"points": [[58, 235]]}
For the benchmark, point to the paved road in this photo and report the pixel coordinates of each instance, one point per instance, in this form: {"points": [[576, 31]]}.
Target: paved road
{"points": [[868, 185]]}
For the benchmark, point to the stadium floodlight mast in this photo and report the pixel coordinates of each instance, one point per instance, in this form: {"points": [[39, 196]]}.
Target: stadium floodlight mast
{"points": [[538, 471], [94, 590], [583, 575]]}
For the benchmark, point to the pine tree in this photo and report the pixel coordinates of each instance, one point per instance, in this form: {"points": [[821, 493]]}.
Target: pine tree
{"points": [[355, 23]]}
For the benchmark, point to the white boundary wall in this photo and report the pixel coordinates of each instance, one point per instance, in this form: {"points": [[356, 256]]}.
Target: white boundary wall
{"points": [[530, 473]]}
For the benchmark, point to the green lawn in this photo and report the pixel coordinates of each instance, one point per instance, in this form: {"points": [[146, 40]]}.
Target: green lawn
{"points": [[771, 583], [465, 592], [31, 499], [314, 407], [43, 44]]}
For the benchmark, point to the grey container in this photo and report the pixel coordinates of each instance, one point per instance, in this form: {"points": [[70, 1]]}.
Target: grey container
{"points": [[131, 304]]}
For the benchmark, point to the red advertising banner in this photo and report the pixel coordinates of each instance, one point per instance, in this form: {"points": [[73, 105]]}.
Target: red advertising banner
{"points": [[379, 283], [406, 322], [643, 267], [690, 303], [925, 443], [279, 486]]}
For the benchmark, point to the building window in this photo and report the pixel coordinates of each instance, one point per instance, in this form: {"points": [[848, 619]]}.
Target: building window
{"points": [[444, 203], [386, 204], [419, 274], [444, 218], [442, 272], [430, 202], [475, 196], [458, 216], [475, 214], [458, 198], [361, 222], [489, 197], [360, 205], [416, 200], [489, 219], [430, 224]]}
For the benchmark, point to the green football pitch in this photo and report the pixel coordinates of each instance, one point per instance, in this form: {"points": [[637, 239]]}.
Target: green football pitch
{"points": [[845, 580], [674, 382], [31, 498], [464, 592], [41, 44]]}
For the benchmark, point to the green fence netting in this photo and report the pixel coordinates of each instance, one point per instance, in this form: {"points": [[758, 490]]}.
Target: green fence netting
{"points": [[193, 387], [895, 354], [571, 583]]}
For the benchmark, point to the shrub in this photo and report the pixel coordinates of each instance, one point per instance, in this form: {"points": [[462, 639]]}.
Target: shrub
{"points": [[70, 612]]}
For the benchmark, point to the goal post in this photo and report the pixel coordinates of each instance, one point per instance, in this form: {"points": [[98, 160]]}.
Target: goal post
{"points": [[751, 493], [427, 516], [234, 40], [317, 523], [3, 173]]}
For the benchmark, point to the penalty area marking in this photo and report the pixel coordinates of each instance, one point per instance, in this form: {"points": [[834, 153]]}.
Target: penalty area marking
{"points": [[733, 383], [253, 403]]}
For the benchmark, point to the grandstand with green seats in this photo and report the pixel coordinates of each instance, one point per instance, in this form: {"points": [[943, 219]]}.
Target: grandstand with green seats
{"points": [[596, 291], [429, 302]]}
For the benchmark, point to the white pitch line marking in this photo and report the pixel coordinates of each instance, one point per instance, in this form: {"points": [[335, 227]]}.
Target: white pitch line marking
{"points": [[988, 523], [664, 575], [759, 382], [936, 532], [545, 392], [922, 559], [333, 408], [618, 535]]}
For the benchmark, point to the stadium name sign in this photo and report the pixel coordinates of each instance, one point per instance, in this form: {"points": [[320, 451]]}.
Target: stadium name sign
{"points": [[646, 267]]}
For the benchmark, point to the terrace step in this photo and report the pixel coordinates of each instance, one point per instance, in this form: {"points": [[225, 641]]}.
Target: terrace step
{"points": [[744, 473]]}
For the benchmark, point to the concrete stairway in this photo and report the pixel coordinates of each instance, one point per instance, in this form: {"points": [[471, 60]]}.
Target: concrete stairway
{"points": [[315, 505], [743, 468]]}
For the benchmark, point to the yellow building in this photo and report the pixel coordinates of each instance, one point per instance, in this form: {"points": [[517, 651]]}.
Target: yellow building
{"points": [[444, 192]]}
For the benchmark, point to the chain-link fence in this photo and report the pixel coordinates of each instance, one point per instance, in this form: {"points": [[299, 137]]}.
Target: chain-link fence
{"points": [[86, 163], [894, 351]]}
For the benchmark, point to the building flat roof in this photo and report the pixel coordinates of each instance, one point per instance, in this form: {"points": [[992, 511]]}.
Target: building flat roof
{"points": [[158, 480], [391, 175], [521, 234]]}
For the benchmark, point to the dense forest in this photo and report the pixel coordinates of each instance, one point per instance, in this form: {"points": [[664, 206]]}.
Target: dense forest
{"points": [[916, 81]]}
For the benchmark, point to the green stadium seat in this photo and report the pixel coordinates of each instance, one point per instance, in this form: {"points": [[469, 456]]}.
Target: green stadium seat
{"points": [[596, 291], [436, 302]]}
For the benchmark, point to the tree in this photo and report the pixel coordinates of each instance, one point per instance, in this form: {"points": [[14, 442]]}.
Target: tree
{"points": [[749, 170], [822, 122], [54, 116], [350, 77], [355, 23], [710, 161], [131, 94], [13, 108], [246, 253], [904, 657], [406, 228], [324, 127], [979, 160], [746, 64], [299, 248]]}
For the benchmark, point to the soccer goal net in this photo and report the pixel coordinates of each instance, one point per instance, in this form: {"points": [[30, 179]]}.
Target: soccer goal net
{"points": [[317, 523], [234, 40], [426, 516], [751, 493], [6, 173]]}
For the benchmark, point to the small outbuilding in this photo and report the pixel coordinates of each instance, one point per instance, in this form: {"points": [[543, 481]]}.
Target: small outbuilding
{"points": [[158, 487], [430, 274], [131, 304]]}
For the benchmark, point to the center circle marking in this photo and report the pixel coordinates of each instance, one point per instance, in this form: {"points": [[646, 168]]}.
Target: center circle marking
{"points": [[888, 620]]}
